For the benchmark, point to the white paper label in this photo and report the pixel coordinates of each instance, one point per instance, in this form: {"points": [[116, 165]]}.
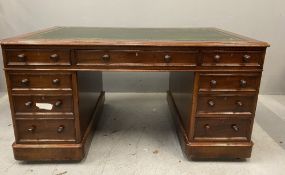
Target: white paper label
{"points": [[46, 106]]}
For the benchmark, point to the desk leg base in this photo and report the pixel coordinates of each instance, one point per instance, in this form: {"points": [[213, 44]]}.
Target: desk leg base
{"points": [[207, 150], [60, 152]]}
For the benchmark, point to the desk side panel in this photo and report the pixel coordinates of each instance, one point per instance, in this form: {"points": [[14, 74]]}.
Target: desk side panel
{"points": [[89, 89], [181, 88]]}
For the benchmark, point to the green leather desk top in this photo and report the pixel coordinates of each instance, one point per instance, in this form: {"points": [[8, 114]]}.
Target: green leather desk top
{"points": [[156, 34], [134, 36]]}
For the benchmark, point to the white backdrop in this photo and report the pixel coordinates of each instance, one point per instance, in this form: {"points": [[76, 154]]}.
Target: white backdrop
{"points": [[260, 19]]}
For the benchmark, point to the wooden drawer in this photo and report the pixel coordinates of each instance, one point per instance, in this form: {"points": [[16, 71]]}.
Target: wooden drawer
{"points": [[222, 129], [229, 82], [16, 57], [45, 130], [233, 58], [136, 57], [40, 80], [43, 103], [229, 104]]}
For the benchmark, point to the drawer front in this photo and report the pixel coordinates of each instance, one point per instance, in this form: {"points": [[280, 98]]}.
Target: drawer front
{"points": [[37, 57], [45, 130], [40, 80], [226, 103], [229, 82], [232, 58], [222, 129], [135, 57], [43, 103]]}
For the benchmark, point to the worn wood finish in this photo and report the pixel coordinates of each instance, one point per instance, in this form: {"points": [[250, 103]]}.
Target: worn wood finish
{"points": [[213, 87], [45, 130], [27, 104], [91, 58], [232, 58], [62, 151], [37, 57], [222, 129], [231, 104], [207, 149], [30, 81], [229, 82], [136, 57]]}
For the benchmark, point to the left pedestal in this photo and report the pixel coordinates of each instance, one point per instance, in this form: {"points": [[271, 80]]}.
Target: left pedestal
{"points": [[54, 113]]}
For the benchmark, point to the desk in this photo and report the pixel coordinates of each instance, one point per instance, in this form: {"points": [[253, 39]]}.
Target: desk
{"points": [[213, 86]]}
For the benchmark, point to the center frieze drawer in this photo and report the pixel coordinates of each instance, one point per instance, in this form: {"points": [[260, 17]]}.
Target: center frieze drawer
{"points": [[136, 57]]}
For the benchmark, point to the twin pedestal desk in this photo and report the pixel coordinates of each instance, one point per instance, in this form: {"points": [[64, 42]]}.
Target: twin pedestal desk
{"points": [[213, 86]]}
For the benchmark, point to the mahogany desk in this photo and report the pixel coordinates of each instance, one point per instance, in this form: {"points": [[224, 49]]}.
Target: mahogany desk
{"points": [[213, 86]]}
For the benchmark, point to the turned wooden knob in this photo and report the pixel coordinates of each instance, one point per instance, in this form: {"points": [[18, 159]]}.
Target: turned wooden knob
{"points": [[211, 103], [239, 103], [54, 57], [29, 104], [55, 81], [167, 58], [32, 128], [58, 103], [106, 58], [246, 58], [60, 129], [243, 83], [25, 81], [21, 57], [217, 58], [235, 127], [207, 126], [213, 83]]}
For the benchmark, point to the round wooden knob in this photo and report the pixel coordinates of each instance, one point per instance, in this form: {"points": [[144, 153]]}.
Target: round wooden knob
{"points": [[54, 57], [167, 58], [217, 58], [211, 103], [243, 83], [239, 103], [213, 83], [246, 58], [235, 127], [60, 129], [56, 81], [207, 126], [31, 129], [21, 57], [25, 81], [29, 104], [106, 58], [58, 103]]}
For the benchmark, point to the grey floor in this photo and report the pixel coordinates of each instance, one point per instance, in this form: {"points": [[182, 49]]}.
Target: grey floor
{"points": [[136, 136]]}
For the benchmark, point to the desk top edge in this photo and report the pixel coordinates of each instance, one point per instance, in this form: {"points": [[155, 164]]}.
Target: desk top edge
{"points": [[34, 38]]}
